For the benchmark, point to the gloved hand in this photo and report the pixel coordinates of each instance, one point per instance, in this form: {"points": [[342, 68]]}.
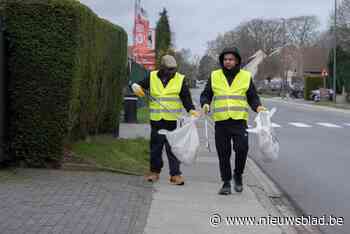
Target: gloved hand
{"points": [[194, 113], [206, 108], [260, 109], [137, 89]]}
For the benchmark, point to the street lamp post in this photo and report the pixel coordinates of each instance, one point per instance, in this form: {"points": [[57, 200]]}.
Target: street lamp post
{"points": [[2, 93], [335, 53], [284, 75]]}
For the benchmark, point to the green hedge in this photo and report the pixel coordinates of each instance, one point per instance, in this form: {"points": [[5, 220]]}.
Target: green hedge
{"points": [[312, 83], [66, 67], [137, 73]]}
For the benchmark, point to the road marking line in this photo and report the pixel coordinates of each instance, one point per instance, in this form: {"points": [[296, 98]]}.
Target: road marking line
{"points": [[274, 125], [300, 125], [329, 125], [347, 124]]}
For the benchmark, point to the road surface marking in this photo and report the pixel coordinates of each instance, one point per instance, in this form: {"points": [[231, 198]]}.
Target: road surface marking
{"points": [[329, 125], [274, 125], [347, 124], [300, 125]]}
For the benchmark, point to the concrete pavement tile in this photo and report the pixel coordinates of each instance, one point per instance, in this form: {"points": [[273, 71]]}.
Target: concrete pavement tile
{"points": [[189, 208]]}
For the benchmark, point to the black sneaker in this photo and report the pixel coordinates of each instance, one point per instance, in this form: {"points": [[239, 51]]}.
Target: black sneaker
{"points": [[226, 188], [238, 183]]}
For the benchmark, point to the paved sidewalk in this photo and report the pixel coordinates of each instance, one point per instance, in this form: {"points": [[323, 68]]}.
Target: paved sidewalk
{"points": [[187, 209], [54, 201]]}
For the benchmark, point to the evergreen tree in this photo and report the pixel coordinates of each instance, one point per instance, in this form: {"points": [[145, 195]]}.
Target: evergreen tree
{"points": [[206, 65], [343, 70], [163, 36]]}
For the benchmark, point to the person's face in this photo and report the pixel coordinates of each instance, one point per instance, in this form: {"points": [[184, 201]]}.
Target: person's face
{"points": [[230, 61], [169, 72]]}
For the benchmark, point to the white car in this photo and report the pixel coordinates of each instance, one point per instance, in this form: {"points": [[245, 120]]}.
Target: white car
{"points": [[326, 94]]}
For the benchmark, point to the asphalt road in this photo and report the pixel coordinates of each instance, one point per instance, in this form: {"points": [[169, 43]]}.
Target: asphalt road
{"points": [[314, 160], [313, 167]]}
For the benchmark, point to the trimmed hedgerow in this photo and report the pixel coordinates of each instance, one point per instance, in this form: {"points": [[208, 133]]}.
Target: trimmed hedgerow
{"points": [[65, 68]]}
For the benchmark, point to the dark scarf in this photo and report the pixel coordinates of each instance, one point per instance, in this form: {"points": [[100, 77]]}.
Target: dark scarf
{"points": [[164, 77], [231, 73]]}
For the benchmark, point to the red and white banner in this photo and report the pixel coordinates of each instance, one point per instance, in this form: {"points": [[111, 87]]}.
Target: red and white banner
{"points": [[143, 39]]}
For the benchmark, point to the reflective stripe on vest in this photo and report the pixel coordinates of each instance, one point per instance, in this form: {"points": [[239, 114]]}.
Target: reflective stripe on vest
{"points": [[165, 111], [230, 108], [229, 97], [174, 99], [167, 96], [230, 101]]}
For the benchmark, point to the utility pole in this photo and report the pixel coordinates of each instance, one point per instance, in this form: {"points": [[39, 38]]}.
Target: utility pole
{"points": [[284, 78], [3, 92], [137, 7], [335, 53]]}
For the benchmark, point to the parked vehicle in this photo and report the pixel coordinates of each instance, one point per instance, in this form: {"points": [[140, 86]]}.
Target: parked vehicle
{"points": [[296, 93], [318, 94]]}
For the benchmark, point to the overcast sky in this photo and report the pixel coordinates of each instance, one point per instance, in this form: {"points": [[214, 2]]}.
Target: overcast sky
{"points": [[195, 22]]}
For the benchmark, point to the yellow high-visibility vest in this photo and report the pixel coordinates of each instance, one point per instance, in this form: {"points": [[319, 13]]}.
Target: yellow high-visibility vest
{"points": [[168, 96], [230, 101]]}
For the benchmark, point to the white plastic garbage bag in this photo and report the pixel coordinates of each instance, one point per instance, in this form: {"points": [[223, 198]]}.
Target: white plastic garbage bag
{"points": [[267, 141], [184, 141]]}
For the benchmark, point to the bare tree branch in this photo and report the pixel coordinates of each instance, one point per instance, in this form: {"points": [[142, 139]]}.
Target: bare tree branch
{"points": [[302, 31]]}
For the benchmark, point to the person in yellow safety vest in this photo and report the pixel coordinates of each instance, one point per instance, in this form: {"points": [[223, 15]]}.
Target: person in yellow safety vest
{"points": [[169, 88], [230, 91]]}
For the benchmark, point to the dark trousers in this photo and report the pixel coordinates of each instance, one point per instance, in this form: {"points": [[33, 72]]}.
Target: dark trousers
{"points": [[226, 138], [157, 143]]}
